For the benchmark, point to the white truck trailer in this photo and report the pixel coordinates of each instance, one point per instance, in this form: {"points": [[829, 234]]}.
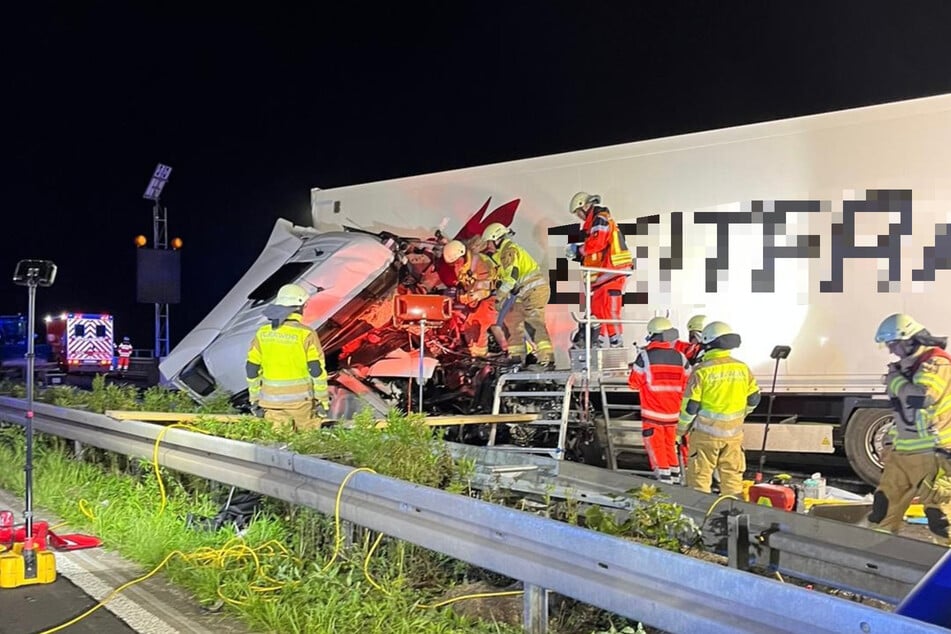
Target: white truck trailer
{"points": [[805, 232]]}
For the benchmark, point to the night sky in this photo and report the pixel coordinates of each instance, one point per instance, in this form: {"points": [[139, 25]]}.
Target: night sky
{"points": [[254, 106]]}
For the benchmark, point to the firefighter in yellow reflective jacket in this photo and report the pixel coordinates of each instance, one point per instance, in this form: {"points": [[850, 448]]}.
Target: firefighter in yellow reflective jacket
{"points": [[521, 278], [720, 393], [918, 463], [287, 375]]}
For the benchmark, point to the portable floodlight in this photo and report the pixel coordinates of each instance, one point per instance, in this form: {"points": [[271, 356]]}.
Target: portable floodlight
{"points": [[34, 273], [29, 562]]}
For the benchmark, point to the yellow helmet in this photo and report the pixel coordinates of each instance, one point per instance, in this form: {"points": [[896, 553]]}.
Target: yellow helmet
{"points": [[696, 323], [291, 295], [658, 325], [495, 231], [453, 251]]}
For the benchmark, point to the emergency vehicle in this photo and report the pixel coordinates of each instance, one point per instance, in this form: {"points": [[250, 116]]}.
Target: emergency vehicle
{"points": [[81, 342], [804, 232]]}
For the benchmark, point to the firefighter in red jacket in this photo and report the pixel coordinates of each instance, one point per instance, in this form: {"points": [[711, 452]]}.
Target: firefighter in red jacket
{"points": [[604, 247], [919, 463], [659, 374], [692, 348]]}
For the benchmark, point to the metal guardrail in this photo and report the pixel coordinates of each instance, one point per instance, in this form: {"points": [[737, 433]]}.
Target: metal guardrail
{"points": [[807, 547], [663, 589]]}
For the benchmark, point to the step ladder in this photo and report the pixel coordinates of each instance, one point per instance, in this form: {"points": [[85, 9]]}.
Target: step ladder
{"points": [[622, 424], [549, 394]]}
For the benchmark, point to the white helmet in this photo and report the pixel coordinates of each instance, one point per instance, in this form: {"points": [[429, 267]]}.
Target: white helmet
{"points": [[453, 251], [718, 334], [291, 295], [581, 199], [897, 327], [495, 231], [696, 323]]}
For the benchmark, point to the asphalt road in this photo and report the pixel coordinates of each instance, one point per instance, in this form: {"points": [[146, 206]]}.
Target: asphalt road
{"points": [[36, 608]]}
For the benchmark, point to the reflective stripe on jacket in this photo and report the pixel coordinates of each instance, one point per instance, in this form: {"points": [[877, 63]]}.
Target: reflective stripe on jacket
{"points": [[604, 245], [928, 395], [517, 268], [659, 374], [720, 393], [290, 364]]}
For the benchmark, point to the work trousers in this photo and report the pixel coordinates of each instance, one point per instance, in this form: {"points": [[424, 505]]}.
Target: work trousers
{"points": [[660, 442], [299, 415], [607, 302], [907, 475], [123, 363], [529, 310], [709, 453]]}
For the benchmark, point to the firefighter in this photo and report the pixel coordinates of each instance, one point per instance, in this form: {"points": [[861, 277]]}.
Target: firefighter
{"points": [[287, 375], [476, 276], [720, 393], [124, 350], [659, 374], [604, 247], [522, 281], [920, 441], [691, 348]]}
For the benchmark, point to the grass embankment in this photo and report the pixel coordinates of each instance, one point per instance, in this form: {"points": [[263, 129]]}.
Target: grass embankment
{"points": [[286, 572]]}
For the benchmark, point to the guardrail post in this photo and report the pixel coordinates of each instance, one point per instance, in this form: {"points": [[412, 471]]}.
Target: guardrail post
{"points": [[738, 541], [534, 609]]}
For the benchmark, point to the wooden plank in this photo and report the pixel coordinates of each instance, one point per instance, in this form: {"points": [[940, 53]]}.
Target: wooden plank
{"points": [[473, 419], [169, 417], [432, 421]]}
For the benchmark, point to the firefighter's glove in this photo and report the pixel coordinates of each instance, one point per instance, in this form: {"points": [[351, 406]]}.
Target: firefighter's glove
{"points": [[322, 408], [256, 409], [574, 251]]}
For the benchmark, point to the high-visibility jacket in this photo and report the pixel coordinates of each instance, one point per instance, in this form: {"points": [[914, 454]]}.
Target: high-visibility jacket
{"points": [[690, 349], [604, 245], [720, 393], [477, 275], [286, 365], [659, 373], [518, 271], [923, 401], [125, 350]]}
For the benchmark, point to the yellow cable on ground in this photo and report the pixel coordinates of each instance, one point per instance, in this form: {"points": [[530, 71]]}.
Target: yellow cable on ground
{"points": [[707, 515], [85, 509], [216, 557], [338, 539], [155, 464], [481, 595]]}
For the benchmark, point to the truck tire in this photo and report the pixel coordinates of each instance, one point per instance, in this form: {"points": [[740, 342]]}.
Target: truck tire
{"points": [[863, 441]]}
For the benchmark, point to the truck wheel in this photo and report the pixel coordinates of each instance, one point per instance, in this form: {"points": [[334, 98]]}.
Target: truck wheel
{"points": [[864, 437]]}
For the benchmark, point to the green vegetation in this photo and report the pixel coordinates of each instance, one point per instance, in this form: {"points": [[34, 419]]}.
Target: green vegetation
{"points": [[287, 572]]}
